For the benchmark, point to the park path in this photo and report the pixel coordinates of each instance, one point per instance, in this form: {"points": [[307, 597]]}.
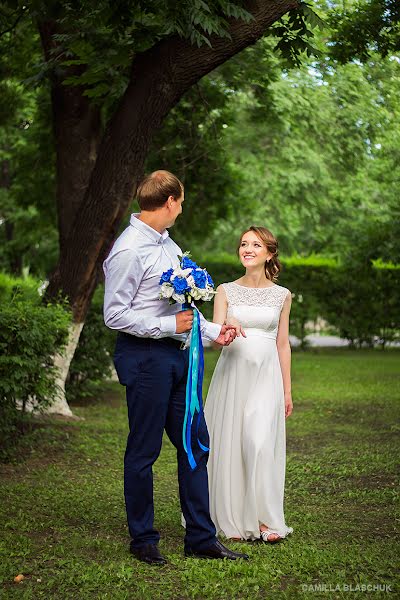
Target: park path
{"points": [[320, 341]]}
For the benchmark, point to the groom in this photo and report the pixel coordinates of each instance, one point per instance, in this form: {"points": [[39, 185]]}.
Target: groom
{"points": [[153, 367]]}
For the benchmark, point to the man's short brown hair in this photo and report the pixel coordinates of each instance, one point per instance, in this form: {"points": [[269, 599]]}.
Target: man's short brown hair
{"points": [[155, 189]]}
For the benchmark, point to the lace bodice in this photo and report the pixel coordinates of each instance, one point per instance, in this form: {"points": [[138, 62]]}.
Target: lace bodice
{"points": [[256, 308], [273, 296]]}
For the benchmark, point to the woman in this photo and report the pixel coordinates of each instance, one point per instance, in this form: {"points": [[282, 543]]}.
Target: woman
{"points": [[249, 398]]}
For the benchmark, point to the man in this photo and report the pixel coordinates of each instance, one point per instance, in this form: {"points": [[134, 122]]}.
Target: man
{"points": [[153, 367]]}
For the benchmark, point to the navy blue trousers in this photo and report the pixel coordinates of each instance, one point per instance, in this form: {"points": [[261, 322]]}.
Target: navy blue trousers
{"points": [[154, 372]]}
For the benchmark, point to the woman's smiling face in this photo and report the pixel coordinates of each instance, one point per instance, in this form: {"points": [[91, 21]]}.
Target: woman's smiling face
{"points": [[252, 252]]}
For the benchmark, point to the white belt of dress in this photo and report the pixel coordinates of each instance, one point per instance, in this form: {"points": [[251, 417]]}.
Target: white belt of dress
{"points": [[254, 332]]}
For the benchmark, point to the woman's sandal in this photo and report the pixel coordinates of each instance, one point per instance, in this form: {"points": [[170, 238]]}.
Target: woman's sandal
{"points": [[264, 537]]}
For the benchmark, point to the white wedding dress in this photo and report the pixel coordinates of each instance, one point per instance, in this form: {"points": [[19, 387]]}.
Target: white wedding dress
{"points": [[245, 415]]}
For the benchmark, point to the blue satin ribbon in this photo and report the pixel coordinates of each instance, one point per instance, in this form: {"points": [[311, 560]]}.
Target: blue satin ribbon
{"points": [[194, 391]]}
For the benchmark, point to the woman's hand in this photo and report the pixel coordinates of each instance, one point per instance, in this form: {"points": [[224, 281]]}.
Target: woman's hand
{"points": [[288, 404], [237, 326]]}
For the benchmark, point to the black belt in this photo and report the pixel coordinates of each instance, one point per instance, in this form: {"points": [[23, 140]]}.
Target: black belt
{"points": [[171, 342], [143, 340]]}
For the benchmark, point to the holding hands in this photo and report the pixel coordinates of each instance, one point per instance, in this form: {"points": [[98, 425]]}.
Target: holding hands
{"points": [[236, 325], [229, 332], [184, 322], [227, 335]]}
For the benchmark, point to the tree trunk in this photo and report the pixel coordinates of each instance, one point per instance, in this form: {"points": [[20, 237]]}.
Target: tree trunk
{"points": [[60, 405], [62, 361], [77, 134]]}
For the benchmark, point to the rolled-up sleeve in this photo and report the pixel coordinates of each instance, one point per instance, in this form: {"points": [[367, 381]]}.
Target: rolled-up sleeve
{"points": [[123, 273]]}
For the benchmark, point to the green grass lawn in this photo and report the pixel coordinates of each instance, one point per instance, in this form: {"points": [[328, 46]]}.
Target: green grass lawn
{"points": [[63, 520]]}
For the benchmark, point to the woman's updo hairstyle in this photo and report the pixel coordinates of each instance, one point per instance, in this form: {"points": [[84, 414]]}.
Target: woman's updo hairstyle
{"points": [[272, 266]]}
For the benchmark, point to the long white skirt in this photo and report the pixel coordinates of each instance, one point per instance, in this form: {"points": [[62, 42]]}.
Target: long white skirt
{"points": [[245, 415]]}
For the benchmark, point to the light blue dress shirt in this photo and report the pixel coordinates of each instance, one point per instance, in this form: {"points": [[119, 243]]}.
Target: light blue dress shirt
{"points": [[132, 274]]}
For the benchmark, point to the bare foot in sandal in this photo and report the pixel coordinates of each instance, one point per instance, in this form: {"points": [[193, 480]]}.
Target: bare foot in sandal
{"points": [[267, 536]]}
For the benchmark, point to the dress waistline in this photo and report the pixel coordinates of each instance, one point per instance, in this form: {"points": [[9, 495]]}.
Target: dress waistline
{"points": [[255, 332]]}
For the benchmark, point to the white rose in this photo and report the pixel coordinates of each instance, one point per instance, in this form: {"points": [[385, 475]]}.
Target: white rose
{"points": [[178, 272], [167, 290], [179, 298], [209, 293]]}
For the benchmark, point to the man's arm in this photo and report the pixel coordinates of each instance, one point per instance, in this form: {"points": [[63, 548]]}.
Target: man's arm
{"points": [[209, 330], [123, 274]]}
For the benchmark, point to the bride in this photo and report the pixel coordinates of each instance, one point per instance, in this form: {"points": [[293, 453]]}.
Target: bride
{"points": [[249, 398]]}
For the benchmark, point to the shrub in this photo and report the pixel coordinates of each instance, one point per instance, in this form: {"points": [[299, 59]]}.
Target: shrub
{"points": [[363, 304], [30, 334], [26, 288]]}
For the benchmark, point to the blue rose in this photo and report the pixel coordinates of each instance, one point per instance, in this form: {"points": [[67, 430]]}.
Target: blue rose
{"points": [[209, 280], [200, 278], [187, 263], [180, 285], [166, 276]]}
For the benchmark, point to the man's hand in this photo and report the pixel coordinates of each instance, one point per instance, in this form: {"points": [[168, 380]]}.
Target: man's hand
{"points": [[227, 335], [184, 321]]}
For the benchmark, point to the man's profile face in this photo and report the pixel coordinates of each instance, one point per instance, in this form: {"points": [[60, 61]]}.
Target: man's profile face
{"points": [[176, 208]]}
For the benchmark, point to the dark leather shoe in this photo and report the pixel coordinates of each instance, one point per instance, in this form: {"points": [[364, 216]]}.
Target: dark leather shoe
{"points": [[149, 553], [216, 550]]}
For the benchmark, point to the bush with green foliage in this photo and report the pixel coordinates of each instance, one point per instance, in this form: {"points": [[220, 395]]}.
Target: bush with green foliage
{"points": [[363, 304], [23, 288], [30, 334]]}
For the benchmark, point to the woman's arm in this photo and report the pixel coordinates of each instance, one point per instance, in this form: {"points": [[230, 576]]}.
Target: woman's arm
{"points": [[220, 309], [220, 306], [284, 352]]}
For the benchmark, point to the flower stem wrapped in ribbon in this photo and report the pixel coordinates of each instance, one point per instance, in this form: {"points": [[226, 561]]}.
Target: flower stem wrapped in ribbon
{"points": [[184, 284]]}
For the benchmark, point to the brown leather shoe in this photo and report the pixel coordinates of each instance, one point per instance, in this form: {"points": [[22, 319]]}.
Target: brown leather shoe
{"points": [[216, 550], [148, 553]]}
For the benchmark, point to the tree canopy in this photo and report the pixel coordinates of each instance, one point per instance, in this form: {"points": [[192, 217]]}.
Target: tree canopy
{"points": [[295, 132]]}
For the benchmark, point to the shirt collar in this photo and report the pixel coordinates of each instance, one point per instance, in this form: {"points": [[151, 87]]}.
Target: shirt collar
{"points": [[148, 231]]}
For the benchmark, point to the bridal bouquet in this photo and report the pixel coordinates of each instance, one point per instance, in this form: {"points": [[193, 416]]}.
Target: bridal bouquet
{"points": [[186, 283]]}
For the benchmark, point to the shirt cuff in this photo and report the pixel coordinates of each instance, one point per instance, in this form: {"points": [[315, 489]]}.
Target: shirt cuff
{"points": [[212, 330], [168, 325]]}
